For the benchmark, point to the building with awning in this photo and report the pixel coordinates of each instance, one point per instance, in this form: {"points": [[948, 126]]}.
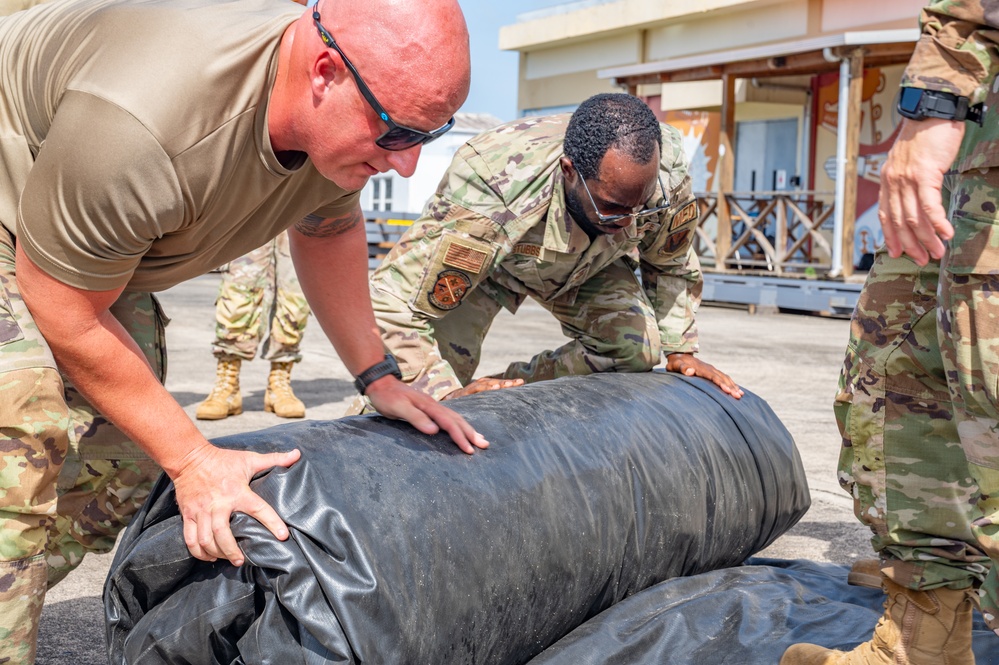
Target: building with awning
{"points": [[787, 108]]}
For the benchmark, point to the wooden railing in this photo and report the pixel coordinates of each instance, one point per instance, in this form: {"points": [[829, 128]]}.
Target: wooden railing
{"points": [[780, 233]]}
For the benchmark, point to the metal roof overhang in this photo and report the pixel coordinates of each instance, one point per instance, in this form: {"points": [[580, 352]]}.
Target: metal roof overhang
{"points": [[807, 56]]}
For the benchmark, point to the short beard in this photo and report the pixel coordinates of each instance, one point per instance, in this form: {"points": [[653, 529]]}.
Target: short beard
{"points": [[574, 206]]}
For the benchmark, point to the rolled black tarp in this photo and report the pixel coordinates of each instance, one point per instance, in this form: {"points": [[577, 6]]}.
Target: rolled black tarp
{"points": [[405, 550]]}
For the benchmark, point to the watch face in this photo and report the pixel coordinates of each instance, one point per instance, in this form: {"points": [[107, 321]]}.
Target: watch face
{"points": [[908, 102]]}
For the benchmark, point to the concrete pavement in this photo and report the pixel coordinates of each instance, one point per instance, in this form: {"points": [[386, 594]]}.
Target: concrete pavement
{"points": [[790, 360]]}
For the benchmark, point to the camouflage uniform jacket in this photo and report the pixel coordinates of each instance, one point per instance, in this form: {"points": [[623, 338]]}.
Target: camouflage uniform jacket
{"points": [[498, 222], [958, 52]]}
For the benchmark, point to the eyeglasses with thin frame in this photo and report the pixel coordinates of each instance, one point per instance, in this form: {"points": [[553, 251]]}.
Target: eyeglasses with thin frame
{"points": [[397, 137], [637, 215]]}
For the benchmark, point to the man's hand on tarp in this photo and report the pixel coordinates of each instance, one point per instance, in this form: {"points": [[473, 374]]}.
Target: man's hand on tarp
{"points": [[484, 384], [688, 365], [394, 399], [213, 484]]}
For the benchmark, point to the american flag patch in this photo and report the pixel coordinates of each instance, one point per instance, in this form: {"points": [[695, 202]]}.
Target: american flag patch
{"points": [[464, 257]]}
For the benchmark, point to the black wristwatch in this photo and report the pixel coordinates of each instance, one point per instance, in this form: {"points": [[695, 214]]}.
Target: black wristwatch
{"points": [[375, 372], [919, 104]]}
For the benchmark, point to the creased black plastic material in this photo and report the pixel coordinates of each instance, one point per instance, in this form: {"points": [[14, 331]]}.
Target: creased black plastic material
{"points": [[747, 615], [405, 550]]}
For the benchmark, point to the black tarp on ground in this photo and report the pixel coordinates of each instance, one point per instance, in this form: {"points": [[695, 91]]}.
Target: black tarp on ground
{"points": [[746, 615], [405, 550]]}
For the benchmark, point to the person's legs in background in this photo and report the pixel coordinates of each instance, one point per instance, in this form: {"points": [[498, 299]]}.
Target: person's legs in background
{"points": [[289, 314], [238, 323]]}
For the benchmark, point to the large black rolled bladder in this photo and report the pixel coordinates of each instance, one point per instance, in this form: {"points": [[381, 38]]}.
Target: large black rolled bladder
{"points": [[405, 550]]}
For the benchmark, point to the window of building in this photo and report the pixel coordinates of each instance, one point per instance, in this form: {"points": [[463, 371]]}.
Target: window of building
{"points": [[381, 193]]}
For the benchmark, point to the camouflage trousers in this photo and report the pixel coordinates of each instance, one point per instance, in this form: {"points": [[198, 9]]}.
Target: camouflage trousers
{"points": [[918, 407], [261, 283], [611, 325], [69, 480]]}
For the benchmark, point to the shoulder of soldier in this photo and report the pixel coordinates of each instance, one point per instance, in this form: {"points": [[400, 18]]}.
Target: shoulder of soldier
{"points": [[515, 161], [672, 148], [520, 147]]}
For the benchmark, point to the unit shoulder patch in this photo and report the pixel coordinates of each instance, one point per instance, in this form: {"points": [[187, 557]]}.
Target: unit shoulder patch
{"points": [[675, 242], [449, 289]]}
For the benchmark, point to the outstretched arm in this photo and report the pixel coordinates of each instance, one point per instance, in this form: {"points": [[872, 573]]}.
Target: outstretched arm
{"points": [[109, 369], [330, 257]]}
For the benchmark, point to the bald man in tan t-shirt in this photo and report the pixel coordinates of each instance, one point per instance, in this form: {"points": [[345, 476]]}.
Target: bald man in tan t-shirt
{"points": [[142, 143]]}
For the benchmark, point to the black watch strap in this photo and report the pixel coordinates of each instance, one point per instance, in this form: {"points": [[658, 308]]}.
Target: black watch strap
{"points": [[375, 372], [919, 104]]}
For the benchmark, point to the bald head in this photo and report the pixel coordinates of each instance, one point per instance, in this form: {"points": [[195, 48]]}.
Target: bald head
{"points": [[413, 54]]}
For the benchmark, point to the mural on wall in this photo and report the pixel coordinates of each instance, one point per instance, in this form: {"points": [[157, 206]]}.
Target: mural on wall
{"points": [[878, 127], [701, 135]]}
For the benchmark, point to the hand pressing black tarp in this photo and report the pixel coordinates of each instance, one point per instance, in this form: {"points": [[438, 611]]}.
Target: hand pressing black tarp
{"points": [[405, 550]]}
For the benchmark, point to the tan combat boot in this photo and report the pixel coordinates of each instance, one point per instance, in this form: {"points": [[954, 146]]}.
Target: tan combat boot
{"points": [[865, 572], [279, 399], [918, 628], [225, 399]]}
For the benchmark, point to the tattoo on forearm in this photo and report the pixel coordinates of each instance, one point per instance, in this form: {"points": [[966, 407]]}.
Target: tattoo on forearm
{"points": [[315, 226]]}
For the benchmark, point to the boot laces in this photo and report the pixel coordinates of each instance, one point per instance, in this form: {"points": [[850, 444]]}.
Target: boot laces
{"points": [[226, 380]]}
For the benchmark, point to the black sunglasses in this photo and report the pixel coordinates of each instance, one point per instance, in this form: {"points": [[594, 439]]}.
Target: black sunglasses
{"points": [[397, 137]]}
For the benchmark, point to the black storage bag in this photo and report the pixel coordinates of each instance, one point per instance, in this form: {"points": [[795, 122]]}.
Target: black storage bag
{"points": [[405, 550]]}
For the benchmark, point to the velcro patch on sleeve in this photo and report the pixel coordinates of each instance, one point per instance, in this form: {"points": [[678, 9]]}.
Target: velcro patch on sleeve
{"points": [[456, 268], [675, 243], [683, 215], [527, 249], [464, 257]]}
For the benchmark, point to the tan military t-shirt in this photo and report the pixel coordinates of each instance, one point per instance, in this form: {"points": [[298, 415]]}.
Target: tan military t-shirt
{"points": [[133, 138]]}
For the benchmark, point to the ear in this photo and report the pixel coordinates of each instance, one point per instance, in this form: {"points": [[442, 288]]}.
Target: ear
{"points": [[568, 172], [327, 71]]}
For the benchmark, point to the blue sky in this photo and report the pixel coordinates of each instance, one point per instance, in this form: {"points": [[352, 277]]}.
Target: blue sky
{"points": [[494, 72]]}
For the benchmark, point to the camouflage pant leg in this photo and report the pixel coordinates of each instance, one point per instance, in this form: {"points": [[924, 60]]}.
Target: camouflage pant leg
{"points": [[290, 310], [261, 285], [239, 306], [105, 477], [901, 459], [969, 329], [44, 427], [611, 323], [34, 438]]}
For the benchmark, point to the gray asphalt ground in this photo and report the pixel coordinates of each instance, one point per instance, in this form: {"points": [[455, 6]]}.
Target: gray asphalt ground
{"points": [[791, 360]]}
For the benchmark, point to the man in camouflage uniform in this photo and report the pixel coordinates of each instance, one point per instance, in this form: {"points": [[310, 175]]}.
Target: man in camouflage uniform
{"points": [[265, 276], [918, 406], [562, 210]]}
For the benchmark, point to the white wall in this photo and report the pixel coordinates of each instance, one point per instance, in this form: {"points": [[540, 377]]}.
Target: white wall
{"points": [[409, 195]]}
